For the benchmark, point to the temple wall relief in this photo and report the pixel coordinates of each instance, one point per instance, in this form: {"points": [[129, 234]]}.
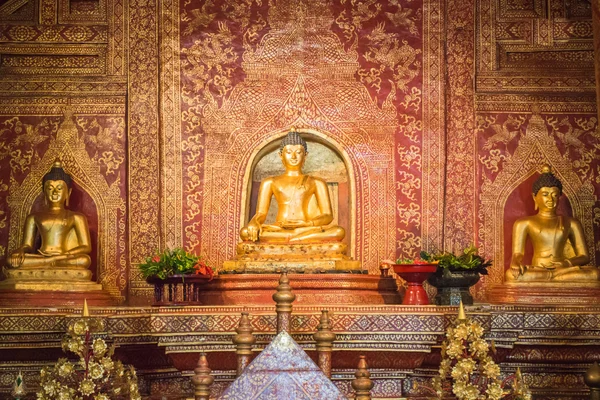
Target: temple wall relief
{"points": [[534, 66], [354, 74], [63, 95], [171, 100]]}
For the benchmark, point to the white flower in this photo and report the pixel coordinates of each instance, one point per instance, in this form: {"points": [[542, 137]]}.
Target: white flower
{"points": [[455, 349], [86, 387], [99, 347], [467, 364], [476, 331], [66, 369], [494, 391], [479, 348], [491, 370], [461, 332], [95, 370], [107, 363]]}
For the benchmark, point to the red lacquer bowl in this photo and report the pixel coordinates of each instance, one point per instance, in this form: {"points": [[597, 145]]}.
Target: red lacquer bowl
{"points": [[415, 275]]}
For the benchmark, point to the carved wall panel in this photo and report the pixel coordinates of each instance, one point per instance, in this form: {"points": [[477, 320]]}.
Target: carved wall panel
{"points": [[20, 11], [143, 141], [66, 55], [513, 143], [92, 149], [352, 74], [596, 22], [534, 45], [460, 198]]}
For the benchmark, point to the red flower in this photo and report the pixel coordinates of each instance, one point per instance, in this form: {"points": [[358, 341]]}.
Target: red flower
{"points": [[156, 258], [203, 269]]}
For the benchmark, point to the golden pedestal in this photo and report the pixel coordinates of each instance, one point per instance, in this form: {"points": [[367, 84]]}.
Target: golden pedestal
{"points": [[51, 287], [546, 293], [294, 258], [55, 279]]}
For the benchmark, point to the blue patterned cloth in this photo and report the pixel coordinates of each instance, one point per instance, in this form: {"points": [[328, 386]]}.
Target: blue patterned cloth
{"points": [[282, 371]]}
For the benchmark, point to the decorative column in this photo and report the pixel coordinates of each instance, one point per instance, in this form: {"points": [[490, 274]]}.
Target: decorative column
{"points": [[324, 338], [202, 379], [592, 380], [363, 384], [243, 343], [596, 24], [284, 299]]}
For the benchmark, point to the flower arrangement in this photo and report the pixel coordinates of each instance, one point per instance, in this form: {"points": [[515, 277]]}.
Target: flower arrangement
{"points": [[96, 376], [467, 363], [414, 261], [174, 262], [469, 259]]}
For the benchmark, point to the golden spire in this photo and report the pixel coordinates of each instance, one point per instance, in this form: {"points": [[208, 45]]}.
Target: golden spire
{"points": [[461, 312], [86, 311]]}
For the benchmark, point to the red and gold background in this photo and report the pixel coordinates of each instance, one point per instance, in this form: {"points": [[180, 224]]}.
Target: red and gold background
{"points": [[426, 102], [443, 112]]}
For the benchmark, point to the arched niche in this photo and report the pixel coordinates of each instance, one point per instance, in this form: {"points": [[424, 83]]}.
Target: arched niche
{"points": [[109, 207], [325, 160], [81, 202], [536, 148], [520, 204]]}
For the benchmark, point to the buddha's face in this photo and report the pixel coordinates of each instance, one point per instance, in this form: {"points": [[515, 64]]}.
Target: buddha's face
{"points": [[293, 156], [56, 192], [546, 198]]}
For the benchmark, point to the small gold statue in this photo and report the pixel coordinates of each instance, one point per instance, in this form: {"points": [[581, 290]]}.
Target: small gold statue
{"points": [[64, 233], [302, 238], [62, 261], [297, 221], [553, 236]]}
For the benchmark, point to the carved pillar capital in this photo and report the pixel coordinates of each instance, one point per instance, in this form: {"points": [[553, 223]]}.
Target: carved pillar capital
{"points": [[284, 299], [324, 338], [363, 384], [244, 340], [202, 379]]}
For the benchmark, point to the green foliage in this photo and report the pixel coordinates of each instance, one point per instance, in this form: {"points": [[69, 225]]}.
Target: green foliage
{"points": [[169, 263], [468, 260]]}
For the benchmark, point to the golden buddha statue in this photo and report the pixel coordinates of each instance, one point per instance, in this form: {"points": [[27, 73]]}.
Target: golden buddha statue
{"points": [[297, 221], [559, 248], [302, 238], [62, 260]]}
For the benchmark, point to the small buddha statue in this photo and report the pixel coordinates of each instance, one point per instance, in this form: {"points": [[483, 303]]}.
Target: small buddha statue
{"points": [[62, 260], [550, 235], [302, 238], [296, 221]]}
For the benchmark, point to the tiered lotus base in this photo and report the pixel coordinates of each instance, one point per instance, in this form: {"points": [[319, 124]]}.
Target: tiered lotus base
{"points": [[310, 289], [294, 258], [52, 287]]}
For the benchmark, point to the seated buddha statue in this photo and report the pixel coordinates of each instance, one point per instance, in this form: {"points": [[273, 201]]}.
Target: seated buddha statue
{"points": [[293, 191], [63, 255], [553, 236], [302, 237]]}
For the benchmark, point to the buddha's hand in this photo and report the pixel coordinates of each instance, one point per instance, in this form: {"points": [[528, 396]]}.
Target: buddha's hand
{"points": [[557, 264], [49, 253], [254, 229], [293, 224], [517, 270], [17, 257]]}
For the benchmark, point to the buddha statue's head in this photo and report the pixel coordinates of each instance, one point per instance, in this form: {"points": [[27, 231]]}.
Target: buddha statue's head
{"points": [[56, 185], [293, 150], [546, 190]]}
